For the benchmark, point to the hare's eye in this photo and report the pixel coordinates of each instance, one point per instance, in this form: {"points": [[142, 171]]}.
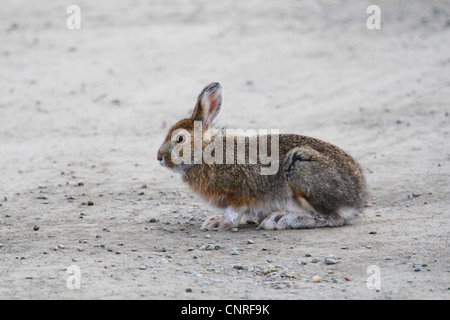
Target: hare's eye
{"points": [[180, 138]]}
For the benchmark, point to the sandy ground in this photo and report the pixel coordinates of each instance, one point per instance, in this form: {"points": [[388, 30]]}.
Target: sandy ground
{"points": [[83, 112]]}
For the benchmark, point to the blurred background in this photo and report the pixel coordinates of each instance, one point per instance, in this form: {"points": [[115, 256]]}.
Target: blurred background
{"points": [[135, 67]]}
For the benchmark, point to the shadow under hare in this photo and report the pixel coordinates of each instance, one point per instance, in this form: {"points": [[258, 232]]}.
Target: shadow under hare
{"points": [[307, 183]]}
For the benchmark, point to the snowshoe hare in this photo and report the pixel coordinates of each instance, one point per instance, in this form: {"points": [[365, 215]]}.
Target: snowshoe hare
{"points": [[314, 183]]}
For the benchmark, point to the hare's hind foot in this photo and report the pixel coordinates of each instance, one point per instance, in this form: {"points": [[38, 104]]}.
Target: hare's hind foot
{"points": [[291, 220]]}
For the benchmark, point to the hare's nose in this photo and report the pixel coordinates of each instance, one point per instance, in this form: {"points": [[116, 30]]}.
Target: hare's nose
{"points": [[159, 156]]}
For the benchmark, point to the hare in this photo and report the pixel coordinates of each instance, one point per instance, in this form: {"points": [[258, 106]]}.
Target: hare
{"points": [[316, 184]]}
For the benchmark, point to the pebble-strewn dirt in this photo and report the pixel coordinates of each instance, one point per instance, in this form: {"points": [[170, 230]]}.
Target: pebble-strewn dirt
{"points": [[83, 112]]}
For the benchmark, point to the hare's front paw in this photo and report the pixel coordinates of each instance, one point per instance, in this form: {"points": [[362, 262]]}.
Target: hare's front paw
{"points": [[216, 223]]}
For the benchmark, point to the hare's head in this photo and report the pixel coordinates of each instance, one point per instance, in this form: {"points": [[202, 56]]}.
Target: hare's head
{"points": [[178, 151]]}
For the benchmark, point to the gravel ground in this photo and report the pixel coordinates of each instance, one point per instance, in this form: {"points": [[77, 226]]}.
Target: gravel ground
{"points": [[84, 111]]}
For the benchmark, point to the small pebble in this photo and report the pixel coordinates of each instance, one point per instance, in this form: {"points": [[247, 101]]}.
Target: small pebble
{"points": [[330, 260], [316, 279], [240, 267]]}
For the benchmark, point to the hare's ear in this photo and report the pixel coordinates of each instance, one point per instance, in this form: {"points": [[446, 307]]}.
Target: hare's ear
{"points": [[208, 105]]}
